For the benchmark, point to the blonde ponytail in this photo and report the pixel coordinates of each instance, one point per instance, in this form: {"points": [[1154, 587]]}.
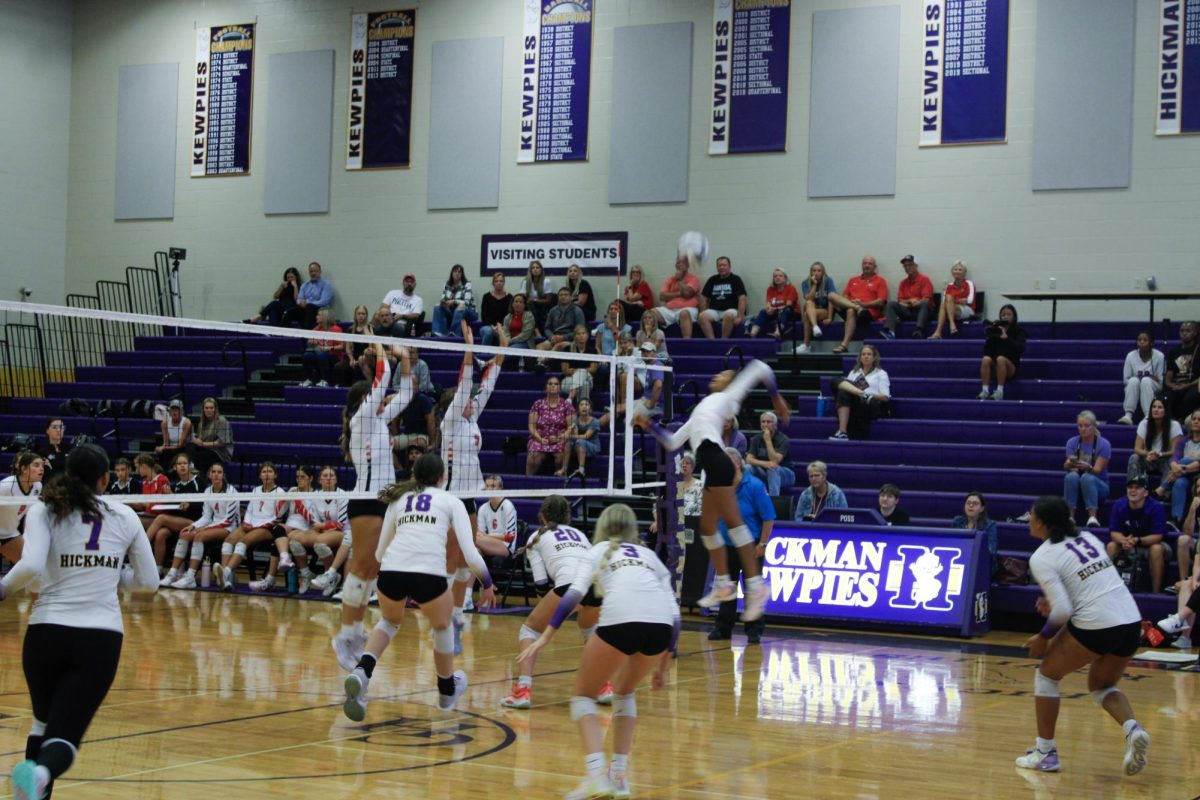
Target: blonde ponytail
{"points": [[555, 511], [617, 524]]}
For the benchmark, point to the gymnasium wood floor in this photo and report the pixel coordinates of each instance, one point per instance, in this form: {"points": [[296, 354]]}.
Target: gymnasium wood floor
{"points": [[239, 697]]}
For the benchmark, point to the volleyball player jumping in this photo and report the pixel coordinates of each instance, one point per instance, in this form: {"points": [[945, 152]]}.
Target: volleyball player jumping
{"points": [[25, 481], [703, 432]]}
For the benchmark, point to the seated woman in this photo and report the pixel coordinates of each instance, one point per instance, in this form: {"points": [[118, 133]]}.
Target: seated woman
{"points": [[167, 524], [296, 521], [322, 354], [283, 300], [581, 293], [1088, 454], [548, 430], [213, 441], [609, 329], [1185, 465], [731, 436], [860, 394], [539, 295], [496, 522], [650, 332], [495, 306], [349, 369], [958, 301], [216, 522], [782, 301], [637, 297], [260, 523], [975, 518], [520, 323], [1145, 368], [578, 377], [457, 304], [818, 296], [585, 435], [1157, 436], [153, 481], [1002, 351], [330, 526], [176, 433]]}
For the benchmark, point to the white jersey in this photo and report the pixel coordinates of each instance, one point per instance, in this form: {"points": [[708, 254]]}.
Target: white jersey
{"points": [[323, 510], [500, 522], [708, 417], [555, 554], [370, 440], [261, 513], [1082, 584], [220, 513], [78, 564], [636, 586], [11, 516], [298, 518], [461, 439], [416, 529]]}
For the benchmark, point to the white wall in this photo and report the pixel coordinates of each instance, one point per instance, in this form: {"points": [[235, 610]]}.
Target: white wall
{"points": [[35, 95], [973, 203]]}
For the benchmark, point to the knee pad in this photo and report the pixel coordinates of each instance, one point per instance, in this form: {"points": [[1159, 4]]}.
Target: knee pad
{"points": [[387, 628], [226, 549], [197, 551], [1099, 695], [295, 548], [582, 707], [587, 632], [443, 640], [37, 727], [713, 542], [322, 550], [527, 633], [74, 751], [181, 548], [740, 536], [625, 705], [463, 574], [239, 549], [278, 532], [356, 591], [1043, 686]]}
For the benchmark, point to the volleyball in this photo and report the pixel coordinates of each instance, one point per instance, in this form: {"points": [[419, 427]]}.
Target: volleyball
{"points": [[694, 245]]}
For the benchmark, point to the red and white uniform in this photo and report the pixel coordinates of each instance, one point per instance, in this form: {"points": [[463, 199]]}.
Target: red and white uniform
{"points": [[370, 440], [298, 518], [264, 512], [219, 513], [11, 516], [461, 439]]}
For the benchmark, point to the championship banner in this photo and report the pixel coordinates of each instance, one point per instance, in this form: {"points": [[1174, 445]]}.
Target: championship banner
{"points": [[964, 71], [378, 133], [596, 253], [750, 76], [1178, 68], [556, 67], [224, 96]]}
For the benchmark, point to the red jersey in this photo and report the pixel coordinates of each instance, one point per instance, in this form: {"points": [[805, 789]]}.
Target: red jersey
{"points": [[645, 292], [964, 295], [781, 298], [156, 485], [918, 288], [865, 290]]}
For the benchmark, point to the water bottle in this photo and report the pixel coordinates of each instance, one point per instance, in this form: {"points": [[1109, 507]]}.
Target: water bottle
{"points": [[205, 574], [820, 405], [292, 582]]}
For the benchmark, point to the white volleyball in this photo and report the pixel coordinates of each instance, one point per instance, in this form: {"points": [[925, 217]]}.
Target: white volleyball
{"points": [[694, 245]]}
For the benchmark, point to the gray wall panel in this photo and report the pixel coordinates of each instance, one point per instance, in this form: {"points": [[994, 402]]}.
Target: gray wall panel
{"points": [[464, 123], [299, 132], [651, 109], [1083, 94], [147, 115], [852, 114]]}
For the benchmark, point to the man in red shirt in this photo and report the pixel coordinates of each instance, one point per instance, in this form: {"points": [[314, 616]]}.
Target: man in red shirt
{"points": [[680, 298], [862, 302], [914, 300]]}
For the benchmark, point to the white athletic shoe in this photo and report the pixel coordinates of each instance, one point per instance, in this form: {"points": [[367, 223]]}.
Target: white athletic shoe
{"points": [[262, 584], [1173, 624], [817, 333], [332, 585], [218, 576], [168, 579], [756, 601], [1136, 744], [1125, 420], [1183, 643], [305, 383], [285, 562], [355, 706], [593, 787], [447, 703], [620, 786], [718, 595], [803, 348], [1036, 759], [304, 581], [984, 394], [1092, 522], [346, 649], [230, 579], [188, 581], [321, 580]]}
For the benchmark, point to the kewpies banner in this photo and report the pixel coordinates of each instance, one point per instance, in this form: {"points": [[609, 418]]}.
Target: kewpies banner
{"points": [[964, 71], [1178, 108], [750, 76], [556, 67], [378, 133], [223, 91]]}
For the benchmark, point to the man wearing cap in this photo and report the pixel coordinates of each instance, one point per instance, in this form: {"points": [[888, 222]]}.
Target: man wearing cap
{"points": [[1137, 526], [862, 302], [408, 308], [914, 300]]}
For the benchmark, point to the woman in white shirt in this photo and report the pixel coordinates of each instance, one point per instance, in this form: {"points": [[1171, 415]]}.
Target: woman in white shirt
{"points": [[25, 481], [1154, 445], [216, 522], [867, 383], [1091, 620], [259, 523], [1144, 370]]}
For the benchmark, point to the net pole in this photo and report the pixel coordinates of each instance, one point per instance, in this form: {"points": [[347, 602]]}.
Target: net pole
{"points": [[628, 427]]}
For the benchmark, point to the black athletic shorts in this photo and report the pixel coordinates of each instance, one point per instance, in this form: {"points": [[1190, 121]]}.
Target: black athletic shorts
{"points": [[420, 586], [1120, 640], [366, 508], [647, 638], [714, 462], [590, 600], [471, 503]]}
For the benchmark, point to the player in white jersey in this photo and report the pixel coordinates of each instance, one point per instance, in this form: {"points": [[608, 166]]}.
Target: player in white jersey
{"points": [[703, 432], [260, 522], [496, 522], [412, 556], [1082, 591], [306, 529], [554, 551], [75, 543], [26, 482], [639, 624], [367, 442], [217, 520]]}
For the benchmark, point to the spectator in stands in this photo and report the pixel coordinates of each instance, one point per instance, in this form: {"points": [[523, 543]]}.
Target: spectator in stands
{"points": [[1145, 368], [1137, 525], [153, 482], [691, 487], [819, 495], [1183, 373], [538, 293], [404, 469], [548, 420], [958, 301], [584, 433], [1088, 454], [650, 332], [383, 323], [769, 456], [758, 515], [495, 307], [862, 302], [496, 522], [578, 377], [520, 323], [816, 292], [914, 300], [168, 524], [175, 432], [561, 322], [723, 299], [126, 481], [637, 297], [679, 300], [611, 327], [1154, 445], [1188, 588], [648, 380], [349, 369], [624, 348], [581, 292], [731, 436], [314, 295], [213, 441], [1002, 349], [889, 505], [406, 307], [282, 301], [975, 518], [860, 394], [54, 453], [1186, 546], [322, 354], [1185, 465], [417, 417], [781, 303], [457, 303]]}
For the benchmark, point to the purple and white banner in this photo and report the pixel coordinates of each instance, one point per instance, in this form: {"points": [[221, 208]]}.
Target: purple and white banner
{"points": [[223, 94], [1178, 107], [378, 133], [556, 68], [964, 72], [750, 76], [600, 253]]}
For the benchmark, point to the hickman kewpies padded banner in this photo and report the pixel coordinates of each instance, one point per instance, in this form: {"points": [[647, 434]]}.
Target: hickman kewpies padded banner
{"points": [[750, 76], [223, 84], [964, 72], [556, 68], [1178, 68], [379, 129]]}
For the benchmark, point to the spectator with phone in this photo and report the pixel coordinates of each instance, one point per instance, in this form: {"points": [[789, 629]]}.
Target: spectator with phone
{"points": [[1002, 350], [1088, 454]]}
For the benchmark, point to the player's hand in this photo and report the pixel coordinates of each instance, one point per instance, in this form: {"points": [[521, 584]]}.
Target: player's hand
{"points": [[1043, 606], [781, 409], [468, 336], [532, 650], [659, 680], [1036, 645], [487, 599]]}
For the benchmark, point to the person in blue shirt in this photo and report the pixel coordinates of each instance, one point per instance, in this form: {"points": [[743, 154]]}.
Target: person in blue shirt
{"points": [[758, 514], [1137, 526], [819, 495], [1086, 466], [315, 294]]}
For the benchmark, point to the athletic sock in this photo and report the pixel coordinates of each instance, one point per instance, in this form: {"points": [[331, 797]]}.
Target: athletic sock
{"points": [[348, 628], [1128, 726], [367, 663], [595, 763], [525, 680], [755, 582], [459, 615], [358, 629], [446, 685], [999, 392], [987, 388], [1046, 745], [721, 580], [620, 763]]}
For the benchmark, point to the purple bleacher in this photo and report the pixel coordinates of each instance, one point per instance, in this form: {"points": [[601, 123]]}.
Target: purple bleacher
{"points": [[105, 390]]}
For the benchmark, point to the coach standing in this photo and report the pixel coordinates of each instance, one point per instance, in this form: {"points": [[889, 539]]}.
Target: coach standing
{"points": [[758, 514]]}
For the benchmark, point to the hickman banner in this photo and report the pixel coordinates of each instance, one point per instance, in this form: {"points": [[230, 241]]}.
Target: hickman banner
{"points": [[556, 67], [224, 95], [381, 77], [964, 72], [750, 76], [1178, 68]]}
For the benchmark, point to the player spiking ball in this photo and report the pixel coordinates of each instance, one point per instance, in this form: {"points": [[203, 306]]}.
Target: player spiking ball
{"points": [[703, 432]]}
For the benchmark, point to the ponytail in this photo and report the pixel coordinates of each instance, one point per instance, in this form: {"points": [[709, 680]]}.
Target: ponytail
{"points": [[555, 511], [75, 488], [427, 471], [353, 401], [617, 524]]}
